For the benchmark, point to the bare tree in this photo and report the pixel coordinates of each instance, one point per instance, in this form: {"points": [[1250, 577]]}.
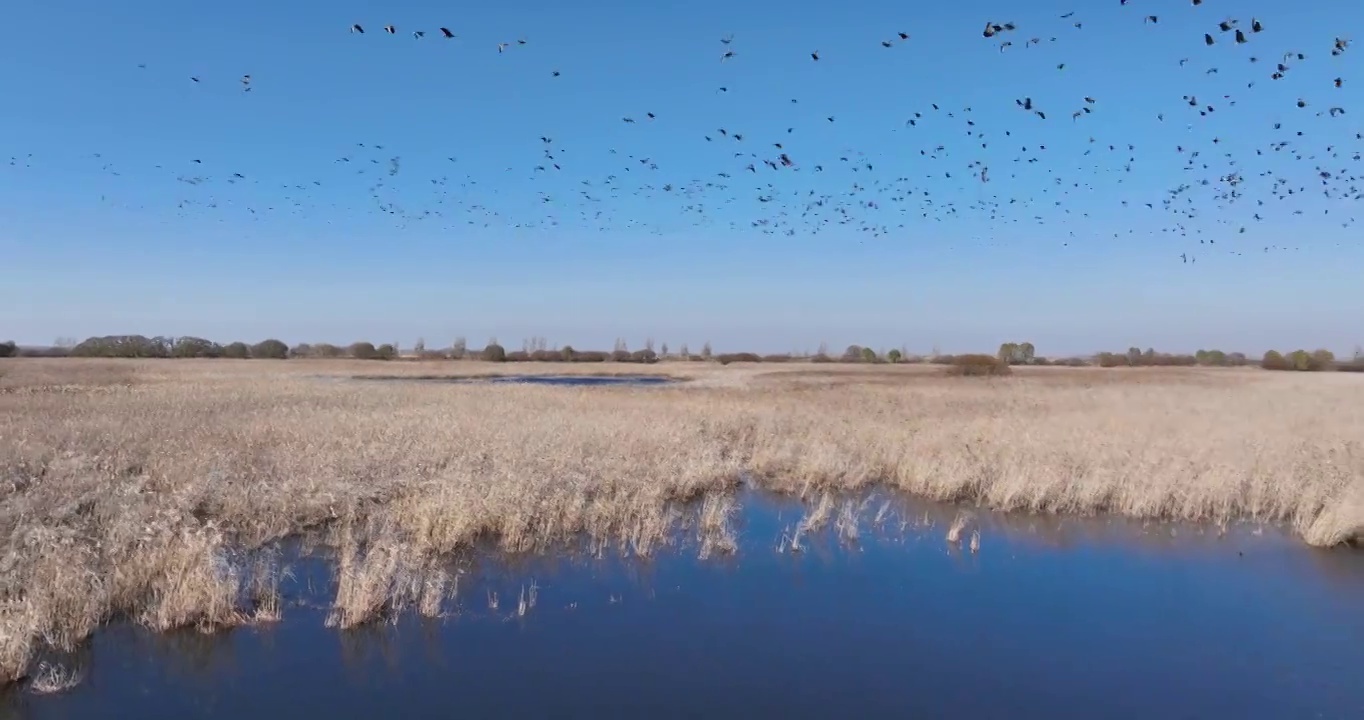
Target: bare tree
{"points": [[459, 349], [684, 352], [705, 351], [663, 349]]}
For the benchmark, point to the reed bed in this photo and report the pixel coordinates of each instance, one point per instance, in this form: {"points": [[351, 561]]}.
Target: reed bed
{"points": [[136, 489]]}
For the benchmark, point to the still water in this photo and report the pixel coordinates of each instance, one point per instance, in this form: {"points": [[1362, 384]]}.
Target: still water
{"points": [[1051, 619], [567, 380]]}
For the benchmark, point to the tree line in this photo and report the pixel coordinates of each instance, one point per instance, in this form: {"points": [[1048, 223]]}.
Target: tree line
{"points": [[538, 350]]}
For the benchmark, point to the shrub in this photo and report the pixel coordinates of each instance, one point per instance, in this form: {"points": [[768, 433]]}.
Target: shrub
{"points": [[1214, 358], [728, 358], [978, 366], [590, 356], [55, 351], [1112, 360], [821, 358], [547, 356], [619, 355], [386, 352], [568, 354], [644, 356], [776, 358], [517, 356], [363, 351], [493, 352], [271, 349], [852, 354], [868, 355], [1274, 360], [9, 349], [894, 356]]}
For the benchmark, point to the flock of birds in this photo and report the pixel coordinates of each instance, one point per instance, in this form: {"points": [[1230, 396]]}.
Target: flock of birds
{"points": [[765, 185]]}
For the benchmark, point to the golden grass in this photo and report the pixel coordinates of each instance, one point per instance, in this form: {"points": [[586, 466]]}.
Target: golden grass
{"points": [[131, 488]]}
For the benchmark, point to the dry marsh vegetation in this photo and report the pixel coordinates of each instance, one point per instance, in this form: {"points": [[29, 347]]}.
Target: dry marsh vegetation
{"points": [[151, 490]]}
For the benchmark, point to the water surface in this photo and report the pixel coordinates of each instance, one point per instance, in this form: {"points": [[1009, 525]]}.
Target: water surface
{"points": [[569, 380], [1051, 619]]}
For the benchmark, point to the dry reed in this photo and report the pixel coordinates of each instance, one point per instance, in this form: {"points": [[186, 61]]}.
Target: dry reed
{"points": [[127, 487]]}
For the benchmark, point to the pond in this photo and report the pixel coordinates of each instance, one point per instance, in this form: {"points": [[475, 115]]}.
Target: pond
{"points": [[567, 380], [1051, 618]]}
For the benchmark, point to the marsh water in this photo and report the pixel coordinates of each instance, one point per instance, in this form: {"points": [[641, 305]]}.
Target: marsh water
{"points": [[564, 380], [1052, 618]]}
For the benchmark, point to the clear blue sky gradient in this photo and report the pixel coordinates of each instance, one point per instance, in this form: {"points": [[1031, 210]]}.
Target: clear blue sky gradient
{"points": [[107, 225]]}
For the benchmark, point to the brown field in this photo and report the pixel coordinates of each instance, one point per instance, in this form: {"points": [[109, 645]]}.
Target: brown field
{"points": [[126, 485]]}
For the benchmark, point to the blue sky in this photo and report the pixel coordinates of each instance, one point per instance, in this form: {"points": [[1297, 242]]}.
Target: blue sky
{"points": [[108, 225]]}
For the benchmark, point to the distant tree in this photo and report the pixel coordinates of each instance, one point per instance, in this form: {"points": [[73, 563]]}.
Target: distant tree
{"points": [[123, 346], [236, 351], [683, 352], [492, 352], [568, 354], [8, 349], [420, 348], [1236, 359], [327, 350], [459, 349], [1006, 353], [853, 354], [620, 347], [649, 344], [1134, 356], [387, 351], [706, 351], [663, 350], [644, 356], [363, 350], [894, 356], [868, 355], [1322, 359], [193, 347], [301, 350]]}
